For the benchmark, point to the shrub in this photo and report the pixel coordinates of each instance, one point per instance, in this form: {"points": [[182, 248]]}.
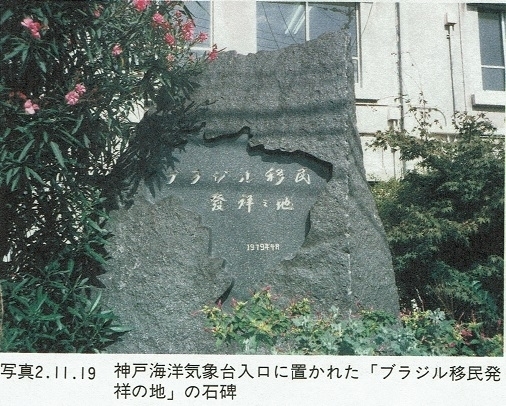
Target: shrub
{"points": [[54, 313], [72, 75], [258, 326], [445, 219]]}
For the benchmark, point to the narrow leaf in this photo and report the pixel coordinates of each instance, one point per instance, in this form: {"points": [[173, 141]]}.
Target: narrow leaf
{"points": [[42, 66], [96, 256], [35, 175], [5, 16], [78, 124], [95, 303], [23, 153], [14, 52], [57, 153]]}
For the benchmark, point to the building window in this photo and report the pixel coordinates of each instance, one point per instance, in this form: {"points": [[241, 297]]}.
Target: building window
{"points": [[492, 40], [280, 24]]}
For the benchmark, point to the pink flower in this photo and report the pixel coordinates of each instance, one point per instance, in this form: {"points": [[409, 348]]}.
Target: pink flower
{"points": [[80, 89], [72, 98], [98, 11], [169, 39], [116, 50], [158, 19], [171, 58], [30, 108], [32, 26], [465, 333], [188, 29], [202, 37], [213, 54], [141, 5]]}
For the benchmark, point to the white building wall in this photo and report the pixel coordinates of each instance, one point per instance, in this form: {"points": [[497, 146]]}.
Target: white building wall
{"points": [[437, 59]]}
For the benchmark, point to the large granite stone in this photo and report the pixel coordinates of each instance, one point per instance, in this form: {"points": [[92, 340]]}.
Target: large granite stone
{"points": [[291, 109]]}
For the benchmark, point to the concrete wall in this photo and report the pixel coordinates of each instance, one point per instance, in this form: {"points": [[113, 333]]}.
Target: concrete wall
{"points": [[419, 32]]}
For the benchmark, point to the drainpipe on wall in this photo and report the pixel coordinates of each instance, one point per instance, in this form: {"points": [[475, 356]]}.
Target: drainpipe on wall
{"points": [[399, 74], [463, 84], [449, 25]]}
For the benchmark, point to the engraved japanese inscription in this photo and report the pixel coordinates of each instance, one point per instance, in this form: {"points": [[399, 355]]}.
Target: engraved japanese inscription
{"points": [[256, 203]]}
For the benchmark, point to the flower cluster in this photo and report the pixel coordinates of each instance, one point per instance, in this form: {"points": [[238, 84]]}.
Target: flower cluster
{"points": [[188, 28], [32, 26], [159, 21], [72, 97], [213, 54], [29, 106], [141, 5], [183, 28], [117, 50], [170, 39], [98, 11]]}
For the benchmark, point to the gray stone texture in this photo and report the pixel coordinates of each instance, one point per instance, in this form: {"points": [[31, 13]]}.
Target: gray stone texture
{"points": [[300, 98]]}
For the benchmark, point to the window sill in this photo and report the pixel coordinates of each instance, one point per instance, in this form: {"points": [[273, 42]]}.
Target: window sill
{"points": [[489, 98]]}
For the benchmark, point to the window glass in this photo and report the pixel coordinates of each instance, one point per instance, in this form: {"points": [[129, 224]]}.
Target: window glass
{"points": [[493, 78], [280, 25], [283, 24], [492, 50]]}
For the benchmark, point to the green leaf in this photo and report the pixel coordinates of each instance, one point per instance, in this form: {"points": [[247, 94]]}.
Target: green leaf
{"points": [[95, 225], [42, 66], [10, 174], [7, 132], [95, 255], [30, 172], [119, 329], [78, 124], [95, 303], [57, 153], [23, 153], [5, 16], [14, 52], [24, 54]]}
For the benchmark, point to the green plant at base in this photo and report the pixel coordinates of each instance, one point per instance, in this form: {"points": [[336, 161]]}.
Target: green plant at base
{"points": [[258, 325], [254, 323]]}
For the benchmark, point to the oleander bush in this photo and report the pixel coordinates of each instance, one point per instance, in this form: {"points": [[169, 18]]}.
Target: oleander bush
{"points": [[260, 326], [72, 75]]}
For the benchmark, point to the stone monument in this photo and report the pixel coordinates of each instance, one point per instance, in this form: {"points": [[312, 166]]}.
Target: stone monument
{"points": [[274, 193]]}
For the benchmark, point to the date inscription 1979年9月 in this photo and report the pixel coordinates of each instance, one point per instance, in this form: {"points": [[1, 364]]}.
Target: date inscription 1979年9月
{"points": [[256, 203]]}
